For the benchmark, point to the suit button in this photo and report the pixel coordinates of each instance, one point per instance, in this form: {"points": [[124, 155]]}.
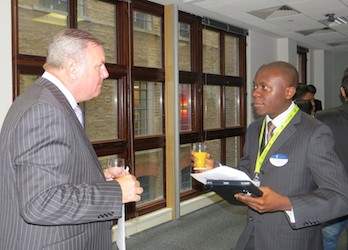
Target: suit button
{"points": [[250, 218]]}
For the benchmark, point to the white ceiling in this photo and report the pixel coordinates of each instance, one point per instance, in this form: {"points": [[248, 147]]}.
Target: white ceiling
{"points": [[310, 12]]}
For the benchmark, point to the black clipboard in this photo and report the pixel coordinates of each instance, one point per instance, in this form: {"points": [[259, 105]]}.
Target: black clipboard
{"points": [[227, 189]]}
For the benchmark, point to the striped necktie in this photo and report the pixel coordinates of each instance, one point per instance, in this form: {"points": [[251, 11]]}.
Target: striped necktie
{"points": [[270, 129]]}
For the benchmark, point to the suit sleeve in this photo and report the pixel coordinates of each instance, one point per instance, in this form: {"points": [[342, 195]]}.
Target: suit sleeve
{"points": [[329, 199], [42, 144]]}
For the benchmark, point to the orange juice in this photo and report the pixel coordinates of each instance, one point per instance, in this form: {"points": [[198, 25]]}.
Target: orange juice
{"points": [[199, 159]]}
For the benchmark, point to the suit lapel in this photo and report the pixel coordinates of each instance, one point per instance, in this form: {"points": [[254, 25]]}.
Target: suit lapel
{"points": [[284, 136], [68, 109]]}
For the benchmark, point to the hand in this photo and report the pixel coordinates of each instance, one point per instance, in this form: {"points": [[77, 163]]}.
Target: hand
{"points": [[270, 201], [131, 189], [112, 173]]}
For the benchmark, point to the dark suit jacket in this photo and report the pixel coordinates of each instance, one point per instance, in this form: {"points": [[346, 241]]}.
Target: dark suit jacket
{"points": [[53, 194], [337, 120], [318, 106], [313, 178]]}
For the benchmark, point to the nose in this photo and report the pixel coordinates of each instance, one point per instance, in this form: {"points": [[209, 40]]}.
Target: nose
{"points": [[255, 92], [104, 72]]}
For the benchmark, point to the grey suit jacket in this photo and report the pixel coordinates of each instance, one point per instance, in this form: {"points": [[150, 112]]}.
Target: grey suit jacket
{"points": [[53, 194], [313, 178]]}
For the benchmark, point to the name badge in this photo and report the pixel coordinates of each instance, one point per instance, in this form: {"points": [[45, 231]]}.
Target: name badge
{"points": [[279, 160]]}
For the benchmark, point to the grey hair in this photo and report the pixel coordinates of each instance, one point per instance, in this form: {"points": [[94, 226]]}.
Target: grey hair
{"points": [[69, 43]]}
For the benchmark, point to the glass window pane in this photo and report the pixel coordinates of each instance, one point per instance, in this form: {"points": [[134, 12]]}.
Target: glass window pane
{"points": [[149, 171], [98, 18], [25, 81], [232, 106], [148, 112], [101, 113], [212, 106], [232, 151], [211, 52], [147, 40], [185, 168], [214, 149], [185, 107], [231, 56], [38, 22], [184, 47]]}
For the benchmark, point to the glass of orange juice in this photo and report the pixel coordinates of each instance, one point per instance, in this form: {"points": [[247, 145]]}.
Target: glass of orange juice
{"points": [[200, 154]]}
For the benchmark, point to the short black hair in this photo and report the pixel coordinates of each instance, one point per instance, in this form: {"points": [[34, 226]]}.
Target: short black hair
{"points": [[301, 90], [311, 88]]}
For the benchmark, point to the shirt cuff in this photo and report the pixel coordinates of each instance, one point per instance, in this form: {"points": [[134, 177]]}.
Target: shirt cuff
{"points": [[291, 215]]}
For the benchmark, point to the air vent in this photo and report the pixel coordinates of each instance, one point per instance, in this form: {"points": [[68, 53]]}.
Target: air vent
{"points": [[316, 31], [274, 12], [223, 26], [338, 44]]}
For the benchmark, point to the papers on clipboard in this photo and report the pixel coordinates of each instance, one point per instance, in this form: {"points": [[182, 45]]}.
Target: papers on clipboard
{"points": [[221, 173], [121, 231]]}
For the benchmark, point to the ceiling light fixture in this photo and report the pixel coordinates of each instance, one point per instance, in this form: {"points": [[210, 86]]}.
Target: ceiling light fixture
{"points": [[332, 18]]}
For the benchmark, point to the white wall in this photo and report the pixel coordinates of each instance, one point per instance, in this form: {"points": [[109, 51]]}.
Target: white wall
{"points": [[5, 59], [261, 49], [318, 78], [287, 50]]}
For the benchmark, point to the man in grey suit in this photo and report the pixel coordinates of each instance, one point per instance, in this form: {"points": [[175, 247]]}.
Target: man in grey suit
{"points": [[302, 179], [53, 192], [337, 119]]}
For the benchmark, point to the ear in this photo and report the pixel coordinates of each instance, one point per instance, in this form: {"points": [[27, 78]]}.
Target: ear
{"points": [[290, 92], [343, 93], [72, 68]]}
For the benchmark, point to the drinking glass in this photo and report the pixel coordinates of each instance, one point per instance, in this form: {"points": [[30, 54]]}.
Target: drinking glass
{"points": [[199, 153]]}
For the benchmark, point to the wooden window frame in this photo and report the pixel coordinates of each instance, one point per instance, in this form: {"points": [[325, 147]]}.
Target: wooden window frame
{"points": [[302, 60], [197, 78]]}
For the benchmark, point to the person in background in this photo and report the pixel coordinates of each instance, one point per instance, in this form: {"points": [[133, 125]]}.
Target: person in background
{"points": [[337, 119], [304, 105], [310, 95], [291, 156], [53, 191]]}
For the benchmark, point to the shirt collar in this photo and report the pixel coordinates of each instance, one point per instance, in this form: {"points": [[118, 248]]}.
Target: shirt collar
{"points": [[61, 87], [277, 121]]}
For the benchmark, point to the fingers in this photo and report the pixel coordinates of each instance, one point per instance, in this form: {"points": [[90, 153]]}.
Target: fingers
{"points": [[131, 189], [112, 173]]}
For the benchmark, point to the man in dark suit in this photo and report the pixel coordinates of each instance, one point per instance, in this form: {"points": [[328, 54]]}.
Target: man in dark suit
{"points": [[291, 155], [53, 192], [337, 119]]}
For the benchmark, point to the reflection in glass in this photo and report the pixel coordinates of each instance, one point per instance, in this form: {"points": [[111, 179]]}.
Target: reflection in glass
{"points": [[98, 18], [212, 106], [185, 167], [211, 52], [149, 171], [148, 113], [214, 149], [38, 22], [101, 113], [231, 56], [232, 151], [232, 106], [185, 107], [184, 47], [25, 81], [147, 40]]}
